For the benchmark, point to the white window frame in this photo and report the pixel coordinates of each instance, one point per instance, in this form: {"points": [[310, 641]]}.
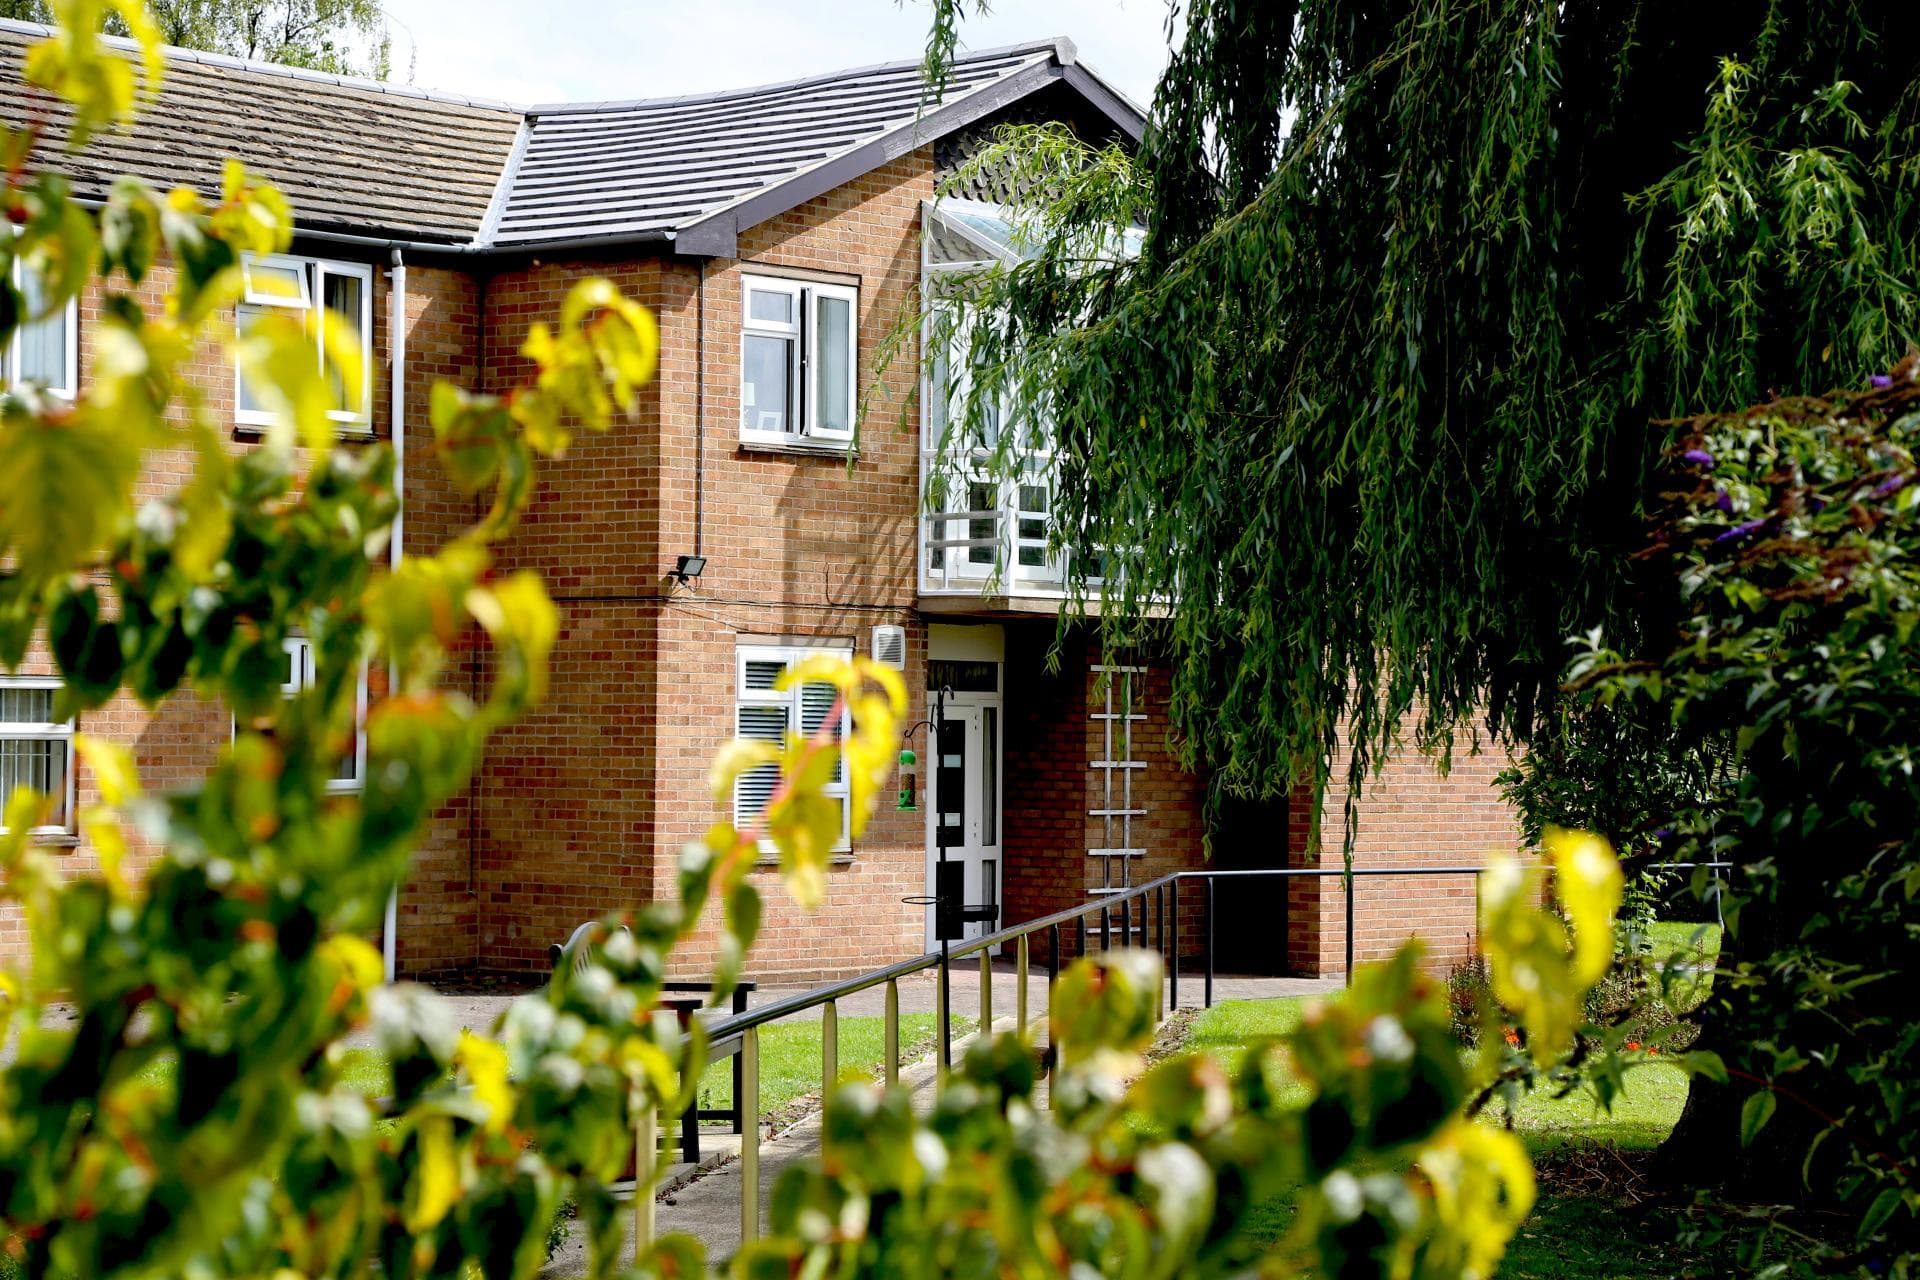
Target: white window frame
{"points": [[70, 319], [299, 651], [803, 429], [790, 654], [55, 731], [312, 275]]}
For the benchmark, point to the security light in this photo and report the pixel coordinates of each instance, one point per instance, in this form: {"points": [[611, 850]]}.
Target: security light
{"points": [[687, 568]]}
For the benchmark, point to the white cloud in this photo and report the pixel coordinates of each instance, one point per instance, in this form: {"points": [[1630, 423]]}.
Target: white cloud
{"points": [[592, 50]]}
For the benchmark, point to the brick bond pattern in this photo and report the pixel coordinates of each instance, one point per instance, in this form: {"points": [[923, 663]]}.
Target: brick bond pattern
{"points": [[583, 808]]}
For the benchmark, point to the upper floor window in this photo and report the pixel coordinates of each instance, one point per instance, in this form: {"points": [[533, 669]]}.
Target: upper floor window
{"points": [[297, 285], [797, 361], [43, 350], [35, 749], [761, 711]]}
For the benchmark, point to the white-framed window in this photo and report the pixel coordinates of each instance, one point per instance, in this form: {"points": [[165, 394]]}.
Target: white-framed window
{"points": [[761, 711], [35, 749], [798, 360], [282, 283], [299, 674], [44, 351]]}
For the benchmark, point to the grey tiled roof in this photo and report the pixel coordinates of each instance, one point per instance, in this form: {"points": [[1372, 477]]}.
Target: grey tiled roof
{"points": [[354, 156], [391, 162], [678, 166]]}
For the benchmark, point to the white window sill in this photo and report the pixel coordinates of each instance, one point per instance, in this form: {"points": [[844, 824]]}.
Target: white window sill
{"points": [[341, 430], [799, 445], [771, 861], [51, 838]]}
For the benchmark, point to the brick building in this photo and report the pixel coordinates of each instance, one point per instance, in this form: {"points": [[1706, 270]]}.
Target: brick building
{"points": [[778, 234]]}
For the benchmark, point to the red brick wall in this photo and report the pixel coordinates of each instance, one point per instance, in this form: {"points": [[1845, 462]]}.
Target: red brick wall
{"points": [[585, 806], [1411, 815], [1052, 789], [176, 743]]}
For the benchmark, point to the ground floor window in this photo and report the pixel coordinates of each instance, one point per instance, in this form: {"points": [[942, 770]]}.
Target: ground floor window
{"points": [[36, 750], [765, 712], [351, 771]]}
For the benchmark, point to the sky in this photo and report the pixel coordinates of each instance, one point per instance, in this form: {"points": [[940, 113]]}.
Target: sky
{"points": [[599, 50]]}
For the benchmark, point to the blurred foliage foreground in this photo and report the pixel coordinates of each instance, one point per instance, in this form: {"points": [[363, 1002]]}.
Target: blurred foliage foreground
{"points": [[239, 954]]}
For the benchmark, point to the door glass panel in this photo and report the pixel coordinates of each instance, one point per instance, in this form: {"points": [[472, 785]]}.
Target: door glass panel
{"points": [[989, 777], [950, 785]]}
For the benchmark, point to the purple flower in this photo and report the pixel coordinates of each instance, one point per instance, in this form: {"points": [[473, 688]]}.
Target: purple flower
{"points": [[1879, 380], [1723, 500], [1886, 487], [1742, 530], [1700, 456]]}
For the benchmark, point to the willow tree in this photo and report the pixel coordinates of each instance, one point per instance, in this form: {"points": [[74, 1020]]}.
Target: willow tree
{"points": [[1371, 405], [1373, 412]]}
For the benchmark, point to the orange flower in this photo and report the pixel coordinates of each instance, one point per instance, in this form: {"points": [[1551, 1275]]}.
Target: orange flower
{"points": [[1513, 1037], [1631, 1044]]}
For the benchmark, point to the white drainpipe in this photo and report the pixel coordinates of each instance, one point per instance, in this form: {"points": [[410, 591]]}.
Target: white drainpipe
{"points": [[397, 415]]}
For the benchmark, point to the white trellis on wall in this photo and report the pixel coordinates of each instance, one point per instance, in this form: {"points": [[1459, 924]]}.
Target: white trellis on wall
{"points": [[1119, 716]]}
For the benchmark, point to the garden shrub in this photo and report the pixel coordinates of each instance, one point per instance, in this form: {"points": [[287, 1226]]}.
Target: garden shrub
{"points": [[1787, 552]]}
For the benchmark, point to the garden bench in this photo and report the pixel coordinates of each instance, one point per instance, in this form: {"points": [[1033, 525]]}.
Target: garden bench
{"points": [[688, 1002]]}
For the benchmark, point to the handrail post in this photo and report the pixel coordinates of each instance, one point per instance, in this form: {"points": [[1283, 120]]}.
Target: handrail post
{"points": [[893, 1031], [1173, 952], [646, 1157], [1160, 925], [1207, 917], [749, 1101], [1020, 985], [945, 982], [829, 1048], [1106, 932], [986, 992], [1348, 880]]}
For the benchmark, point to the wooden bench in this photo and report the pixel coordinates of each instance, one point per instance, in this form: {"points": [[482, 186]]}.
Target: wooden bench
{"points": [[689, 1001]]}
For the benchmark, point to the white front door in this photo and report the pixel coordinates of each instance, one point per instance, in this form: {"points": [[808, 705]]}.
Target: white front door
{"points": [[963, 835]]}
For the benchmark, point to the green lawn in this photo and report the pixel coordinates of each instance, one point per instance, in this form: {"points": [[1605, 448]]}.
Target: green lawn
{"points": [[1567, 1237], [790, 1056]]}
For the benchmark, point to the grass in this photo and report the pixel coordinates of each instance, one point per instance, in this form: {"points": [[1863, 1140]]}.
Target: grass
{"points": [[1567, 1236], [790, 1057]]}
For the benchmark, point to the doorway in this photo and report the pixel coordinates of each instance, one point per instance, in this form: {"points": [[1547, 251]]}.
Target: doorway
{"points": [[964, 814]]}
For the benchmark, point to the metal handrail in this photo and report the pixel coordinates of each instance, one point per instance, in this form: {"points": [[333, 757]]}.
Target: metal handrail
{"points": [[1165, 897]]}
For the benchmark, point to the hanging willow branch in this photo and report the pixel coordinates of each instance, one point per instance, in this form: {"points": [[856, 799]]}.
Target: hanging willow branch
{"points": [[1368, 417]]}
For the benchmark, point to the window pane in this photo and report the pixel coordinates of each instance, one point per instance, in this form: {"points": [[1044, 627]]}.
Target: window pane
{"points": [[756, 786], [832, 381], [762, 672], [982, 497], [39, 763], [347, 768], [43, 343], [249, 399], [766, 390], [777, 307], [26, 706], [816, 702], [344, 295], [282, 282]]}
